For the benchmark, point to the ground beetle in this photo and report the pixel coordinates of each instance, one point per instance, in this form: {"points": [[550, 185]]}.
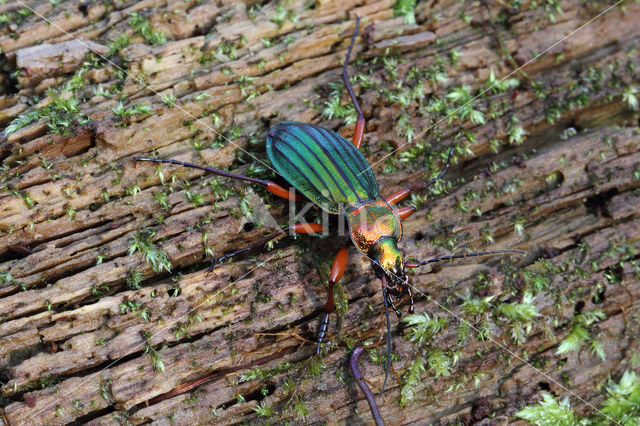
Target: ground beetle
{"points": [[332, 173]]}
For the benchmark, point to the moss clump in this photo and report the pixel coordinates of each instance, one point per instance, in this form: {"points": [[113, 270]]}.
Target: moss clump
{"points": [[405, 8], [438, 361], [151, 253], [621, 407]]}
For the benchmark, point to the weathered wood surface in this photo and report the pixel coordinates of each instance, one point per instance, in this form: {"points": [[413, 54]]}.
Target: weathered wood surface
{"points": [[74, 338]]}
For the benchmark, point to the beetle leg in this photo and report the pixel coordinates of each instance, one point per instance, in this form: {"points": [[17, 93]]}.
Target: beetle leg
{"points": [[272, 187], [398, 196], [298, 228], [339, 265], [410, 294], [405, 212], [392, 301], [358, 133]]}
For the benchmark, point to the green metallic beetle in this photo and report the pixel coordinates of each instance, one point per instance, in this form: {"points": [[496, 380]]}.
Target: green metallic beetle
{"points": [[330, 171]]}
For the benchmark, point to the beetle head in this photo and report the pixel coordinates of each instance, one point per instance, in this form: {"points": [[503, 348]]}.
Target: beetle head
{"points": [[388, 259]]}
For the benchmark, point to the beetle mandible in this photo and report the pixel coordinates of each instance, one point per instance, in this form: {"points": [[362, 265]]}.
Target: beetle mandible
{"points": [[332, 172]]}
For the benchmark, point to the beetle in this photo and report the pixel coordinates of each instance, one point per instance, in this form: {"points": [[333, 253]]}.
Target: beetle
{"points": [[331, 171]]}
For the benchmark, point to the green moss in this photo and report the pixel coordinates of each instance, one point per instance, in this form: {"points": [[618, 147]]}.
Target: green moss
{"points": [[26, 198], [549, 412], [424, 327], [134, 278], [622, 406], [282, 14], [121, 112], [119, 43], [99, 290], [630, 98], [264, 409], [412, 379], [435, 359], [496, 86], [405, 8], [300, 408], [163, 199], [519, 317], [316, 366], [194, 198], [260, 374], [143, 27], [169, 99], [334, 108], [580, 335], [154, 354], [42, 383], [61, 115], [515, 133], [14, 18], [151, 253]]}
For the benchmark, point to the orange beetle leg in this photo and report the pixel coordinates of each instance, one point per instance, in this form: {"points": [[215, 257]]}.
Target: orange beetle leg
{"points": [[339, 265]]}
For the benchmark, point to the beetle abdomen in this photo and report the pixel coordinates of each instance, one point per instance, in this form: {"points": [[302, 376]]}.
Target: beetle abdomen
{"points": [[321, 164]]}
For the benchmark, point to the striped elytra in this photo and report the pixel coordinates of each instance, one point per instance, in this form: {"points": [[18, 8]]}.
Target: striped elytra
{"points": [[321, 164]]}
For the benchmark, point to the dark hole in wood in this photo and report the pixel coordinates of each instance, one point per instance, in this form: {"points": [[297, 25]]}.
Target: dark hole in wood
{"points": [[614, 273], [9, 85], [84, 8], [549, 252], [597, 204], [578, 308], [544, 386], [599, 298], [554, 180], [257, 395], [248, 226]]}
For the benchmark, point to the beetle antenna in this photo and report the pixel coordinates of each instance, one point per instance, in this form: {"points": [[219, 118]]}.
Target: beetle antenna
{"points": [[460, 256], [207, 169], [386, 313]]}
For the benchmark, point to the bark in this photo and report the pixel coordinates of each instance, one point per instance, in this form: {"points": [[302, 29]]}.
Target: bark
{"points": [[93, 333]]}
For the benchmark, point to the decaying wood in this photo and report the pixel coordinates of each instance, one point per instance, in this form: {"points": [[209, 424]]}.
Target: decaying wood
{"points": [[77, 343]]}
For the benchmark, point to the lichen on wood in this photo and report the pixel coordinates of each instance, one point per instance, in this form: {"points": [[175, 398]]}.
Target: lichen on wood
{"points": [[108, 313]]}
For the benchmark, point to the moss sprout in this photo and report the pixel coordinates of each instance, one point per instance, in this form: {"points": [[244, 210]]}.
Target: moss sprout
{"points": [[579, 334], [143, 27], [405, 8], [154, 354], [151, 253], [264, 409]]}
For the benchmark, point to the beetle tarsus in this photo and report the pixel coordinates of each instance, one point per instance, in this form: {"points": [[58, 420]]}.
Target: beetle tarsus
{"points": [[212, 266], [442, 172], [392, 302], [322, 331]]}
